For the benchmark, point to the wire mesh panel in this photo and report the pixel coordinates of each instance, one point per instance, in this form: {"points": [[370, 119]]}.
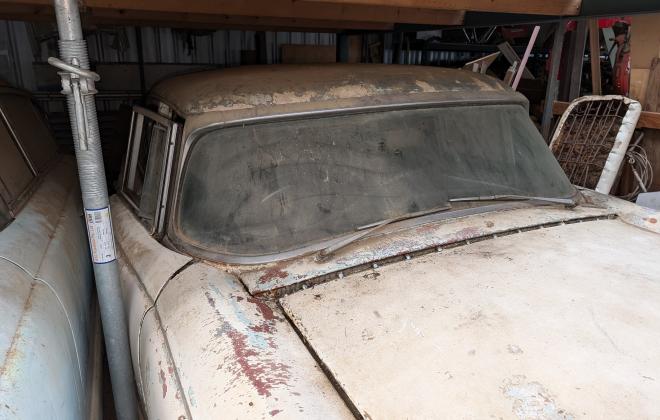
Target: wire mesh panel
{"points": [[584, 141]]}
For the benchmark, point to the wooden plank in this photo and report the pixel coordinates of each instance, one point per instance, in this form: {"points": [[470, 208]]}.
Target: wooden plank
{"points": [[308, 54], [639, 79], [644, 40], [651, 144], [652, 101], [541, 7], [198, 20], [39, 13], [553, 83], [354, 49], [510, 54], [646, 120], [577, 59], [291, 9], [594, 51]]}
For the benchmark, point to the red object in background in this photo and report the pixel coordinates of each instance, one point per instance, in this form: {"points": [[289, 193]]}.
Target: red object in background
{"points": [[622, 66], [609, 22], [621, 70], [511, 33]]}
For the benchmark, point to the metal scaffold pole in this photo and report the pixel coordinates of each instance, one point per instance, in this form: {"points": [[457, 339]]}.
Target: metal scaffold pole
{"points": [[78, 86]]}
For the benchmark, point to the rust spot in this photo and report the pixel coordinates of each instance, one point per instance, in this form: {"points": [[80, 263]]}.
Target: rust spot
{"points": [[274, 412], [653, 220], [163, 382], [210, 299], [239, 298], [489, 224], [263, 374], [265, 310], [12, 355], [271, 274], [276, 271], [425, 229], [257, 365], [468, 233]]}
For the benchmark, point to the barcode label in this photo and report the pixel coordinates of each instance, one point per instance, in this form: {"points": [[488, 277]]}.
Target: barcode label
{"points": [[99, 231]]}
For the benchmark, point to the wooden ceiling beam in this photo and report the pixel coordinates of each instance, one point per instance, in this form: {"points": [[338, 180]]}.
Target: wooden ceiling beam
{"points": [[536, 7], [206, 21], [45, 13], [289, 9]]}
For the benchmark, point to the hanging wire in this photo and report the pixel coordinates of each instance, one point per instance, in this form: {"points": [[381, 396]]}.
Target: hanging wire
{"points": [[642, 171]]}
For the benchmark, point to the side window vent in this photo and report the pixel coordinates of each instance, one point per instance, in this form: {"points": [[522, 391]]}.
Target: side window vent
{"points": [[146, 174]]}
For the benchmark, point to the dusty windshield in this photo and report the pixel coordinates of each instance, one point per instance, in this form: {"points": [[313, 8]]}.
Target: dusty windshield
{"points": [[282, 185]]}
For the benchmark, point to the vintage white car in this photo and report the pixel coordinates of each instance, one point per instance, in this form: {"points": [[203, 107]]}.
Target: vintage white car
{"points": [[50, 331], [378, 242]]}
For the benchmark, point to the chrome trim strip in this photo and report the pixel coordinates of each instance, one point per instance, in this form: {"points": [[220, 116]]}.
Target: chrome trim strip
{"points": [[152, 115], [309, 249], [128, 147], [13, 135], [165, 180], [136, 142]]}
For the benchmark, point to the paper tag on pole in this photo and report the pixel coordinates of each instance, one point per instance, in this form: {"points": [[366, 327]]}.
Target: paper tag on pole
{"points": [[101, 240]]}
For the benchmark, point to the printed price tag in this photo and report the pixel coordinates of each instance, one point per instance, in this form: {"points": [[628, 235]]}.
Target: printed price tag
{"points": [[99, 230]]}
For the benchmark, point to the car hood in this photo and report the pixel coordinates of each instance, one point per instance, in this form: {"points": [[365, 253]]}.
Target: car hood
{"points": [[556, 322]]}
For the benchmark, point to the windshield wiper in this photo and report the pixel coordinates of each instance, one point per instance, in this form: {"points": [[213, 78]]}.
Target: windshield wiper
{"points": [[365, 230], [569, 202]]}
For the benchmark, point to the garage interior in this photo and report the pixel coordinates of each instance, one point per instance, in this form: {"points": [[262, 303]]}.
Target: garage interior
{"points": [[132, 45], [568, 49]]}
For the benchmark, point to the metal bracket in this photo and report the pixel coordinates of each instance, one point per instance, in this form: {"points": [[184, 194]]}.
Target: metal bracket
{"points": [[77, 82]]}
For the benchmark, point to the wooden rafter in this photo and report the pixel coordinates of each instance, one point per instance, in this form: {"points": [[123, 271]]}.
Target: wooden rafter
{"points": [[93, 17], [540, 7], [281, 9], [192, 20]]}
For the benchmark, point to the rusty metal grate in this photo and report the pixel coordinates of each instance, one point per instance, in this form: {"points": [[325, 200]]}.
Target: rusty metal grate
{"points": [[585, 137]]}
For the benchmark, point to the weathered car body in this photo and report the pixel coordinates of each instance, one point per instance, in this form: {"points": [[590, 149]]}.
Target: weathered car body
{"points": [[50, 345], [502, 308]]}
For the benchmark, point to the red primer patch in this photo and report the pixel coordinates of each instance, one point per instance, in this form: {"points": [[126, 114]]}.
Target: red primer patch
{"points": [[265, 310], [163, 382], [468, 233], [256, 365], [273, 273], [262, 374]]}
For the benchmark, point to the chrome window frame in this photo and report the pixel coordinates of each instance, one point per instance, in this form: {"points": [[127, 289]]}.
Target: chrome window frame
{"points": [[172, 130], [176, 237]]}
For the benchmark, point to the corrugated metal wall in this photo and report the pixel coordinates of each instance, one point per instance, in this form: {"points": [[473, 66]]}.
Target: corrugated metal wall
{"points": [[26, 45], [113, 51]]}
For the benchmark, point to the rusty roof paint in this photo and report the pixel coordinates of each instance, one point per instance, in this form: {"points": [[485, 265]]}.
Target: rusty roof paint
{"points": [[273, 86]]}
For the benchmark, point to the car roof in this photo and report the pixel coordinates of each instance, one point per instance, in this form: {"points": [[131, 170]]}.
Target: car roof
{"points": [[270, 88]]}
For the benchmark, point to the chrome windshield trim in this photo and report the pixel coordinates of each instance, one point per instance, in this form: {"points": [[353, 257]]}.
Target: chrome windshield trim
{"points": [[406, 224]]}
